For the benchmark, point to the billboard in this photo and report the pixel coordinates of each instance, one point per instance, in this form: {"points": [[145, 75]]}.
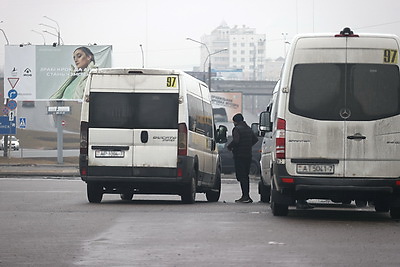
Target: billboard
{"points": [[226, 105], [45, 72]]}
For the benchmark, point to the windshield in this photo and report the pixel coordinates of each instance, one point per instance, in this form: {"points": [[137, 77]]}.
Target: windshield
{"points": [[345, 91]]}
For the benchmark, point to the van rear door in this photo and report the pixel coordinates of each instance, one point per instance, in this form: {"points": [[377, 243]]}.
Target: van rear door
{"points": [[373, 94], [344, 106], [133, 122], [314, 130]]}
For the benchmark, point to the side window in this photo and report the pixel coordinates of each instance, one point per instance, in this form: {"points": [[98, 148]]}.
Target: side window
{"points": [[195, 115], [208, 119]]}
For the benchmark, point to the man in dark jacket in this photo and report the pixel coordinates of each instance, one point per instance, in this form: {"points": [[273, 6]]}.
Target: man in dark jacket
{"points": [[243, 140]]}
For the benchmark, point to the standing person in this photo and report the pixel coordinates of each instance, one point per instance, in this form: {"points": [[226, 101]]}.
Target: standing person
{"points": [[243, 140], [74, 86]]}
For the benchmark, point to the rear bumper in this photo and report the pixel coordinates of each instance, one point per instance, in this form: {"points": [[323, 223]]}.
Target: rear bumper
{"points": [[340, 188], [139, 175]]}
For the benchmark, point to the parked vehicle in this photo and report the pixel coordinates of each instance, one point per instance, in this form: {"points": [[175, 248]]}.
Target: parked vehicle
{"points": [[264, 185], [334, 122], [13, 143], [147, 131], [227, 163]]}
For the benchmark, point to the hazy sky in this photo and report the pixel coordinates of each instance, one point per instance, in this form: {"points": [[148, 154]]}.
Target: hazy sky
{"points": [[162, 26]]}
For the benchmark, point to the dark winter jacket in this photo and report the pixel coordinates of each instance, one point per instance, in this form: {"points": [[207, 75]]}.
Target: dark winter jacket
{"points": [[243, 140]]}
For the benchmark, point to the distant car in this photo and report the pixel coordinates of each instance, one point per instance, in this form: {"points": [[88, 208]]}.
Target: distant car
{"points": [[14, 143], [227, 163], [220, 115]]}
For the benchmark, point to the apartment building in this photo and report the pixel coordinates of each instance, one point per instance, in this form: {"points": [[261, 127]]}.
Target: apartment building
{"points": [[245, 58]]}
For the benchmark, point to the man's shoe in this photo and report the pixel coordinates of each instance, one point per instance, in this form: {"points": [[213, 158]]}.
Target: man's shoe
{"points": [[247, 200], [240, 200]]}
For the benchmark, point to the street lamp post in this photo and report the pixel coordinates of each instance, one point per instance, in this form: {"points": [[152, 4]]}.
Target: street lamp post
{"points": [[44, 39], [209, 64], [284, 34], [209, 61], [56, 29], [5, 36]]}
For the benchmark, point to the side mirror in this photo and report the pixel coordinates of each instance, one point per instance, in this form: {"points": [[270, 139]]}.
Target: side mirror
{"points": [[254, 128], [265, 124], [221, 134]]}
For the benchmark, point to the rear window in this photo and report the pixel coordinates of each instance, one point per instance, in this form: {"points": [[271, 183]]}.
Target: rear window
{"points": [[345, 91], [133, 110]]}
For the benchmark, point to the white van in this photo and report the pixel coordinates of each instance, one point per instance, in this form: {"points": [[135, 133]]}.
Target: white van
{"points": [[147, 131], [335, 122]]}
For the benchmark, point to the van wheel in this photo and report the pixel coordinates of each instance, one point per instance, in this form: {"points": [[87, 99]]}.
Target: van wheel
{"points": [[264, 191], [277, 208], [395, 212], [126, 196], [189, 191], [215, 192], [94, 192]]}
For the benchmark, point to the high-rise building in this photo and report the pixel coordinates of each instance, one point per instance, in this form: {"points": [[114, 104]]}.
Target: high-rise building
{"points": [[245, 58]]}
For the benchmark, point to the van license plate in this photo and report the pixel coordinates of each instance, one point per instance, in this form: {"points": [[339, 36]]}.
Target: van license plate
{"points": [[316, 168], [109, 154]]}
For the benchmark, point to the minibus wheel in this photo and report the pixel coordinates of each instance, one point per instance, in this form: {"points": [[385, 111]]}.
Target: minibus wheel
{"points": [[188, 195], [214, 193], [94, 192]]}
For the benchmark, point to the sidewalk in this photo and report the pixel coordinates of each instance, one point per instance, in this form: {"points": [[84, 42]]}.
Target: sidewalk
{"points": [[39, 170], [50, 168]]}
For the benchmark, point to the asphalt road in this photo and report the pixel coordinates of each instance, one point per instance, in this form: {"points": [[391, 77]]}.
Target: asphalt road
{"points": [[48, 222]]}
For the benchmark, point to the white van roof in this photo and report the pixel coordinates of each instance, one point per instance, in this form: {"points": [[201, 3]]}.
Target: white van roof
{"points": [[347, 32]]}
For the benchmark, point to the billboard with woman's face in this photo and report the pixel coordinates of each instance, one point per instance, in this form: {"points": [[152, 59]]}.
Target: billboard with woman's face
{"points": [[43, 72]]}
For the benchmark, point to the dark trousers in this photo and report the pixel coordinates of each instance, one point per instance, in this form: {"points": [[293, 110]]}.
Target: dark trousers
{"points": [[242, 168]]}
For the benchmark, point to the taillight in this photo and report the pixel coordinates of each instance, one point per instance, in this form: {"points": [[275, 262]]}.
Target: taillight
{"points": [[83, 148], [182, 139], [280, 149]]}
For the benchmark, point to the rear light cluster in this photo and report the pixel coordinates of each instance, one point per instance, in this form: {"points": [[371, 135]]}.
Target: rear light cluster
{"points": [[83, 148], [182, 144], [182, 139], [280, 147]]}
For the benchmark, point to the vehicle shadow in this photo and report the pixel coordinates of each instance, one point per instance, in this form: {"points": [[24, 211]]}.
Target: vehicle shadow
{"points": [[339, 212]]}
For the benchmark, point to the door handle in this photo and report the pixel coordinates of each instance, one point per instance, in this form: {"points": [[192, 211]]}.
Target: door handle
{"points": [[357, 136], [144, 137]]}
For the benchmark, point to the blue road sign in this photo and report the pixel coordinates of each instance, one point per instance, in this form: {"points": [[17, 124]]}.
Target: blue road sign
{"points": [[12, 94], [22, 123], [7, 126]]}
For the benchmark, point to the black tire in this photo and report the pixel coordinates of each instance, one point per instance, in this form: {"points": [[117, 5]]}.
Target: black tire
{"points": [[188, 195], [214, 194], [126, 196], [278, 209], [395, 213], [94, 192], [264, 191]]}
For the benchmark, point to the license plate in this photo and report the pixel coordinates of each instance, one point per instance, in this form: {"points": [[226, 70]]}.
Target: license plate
{"points": [[316, 168], [109, 154]]}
